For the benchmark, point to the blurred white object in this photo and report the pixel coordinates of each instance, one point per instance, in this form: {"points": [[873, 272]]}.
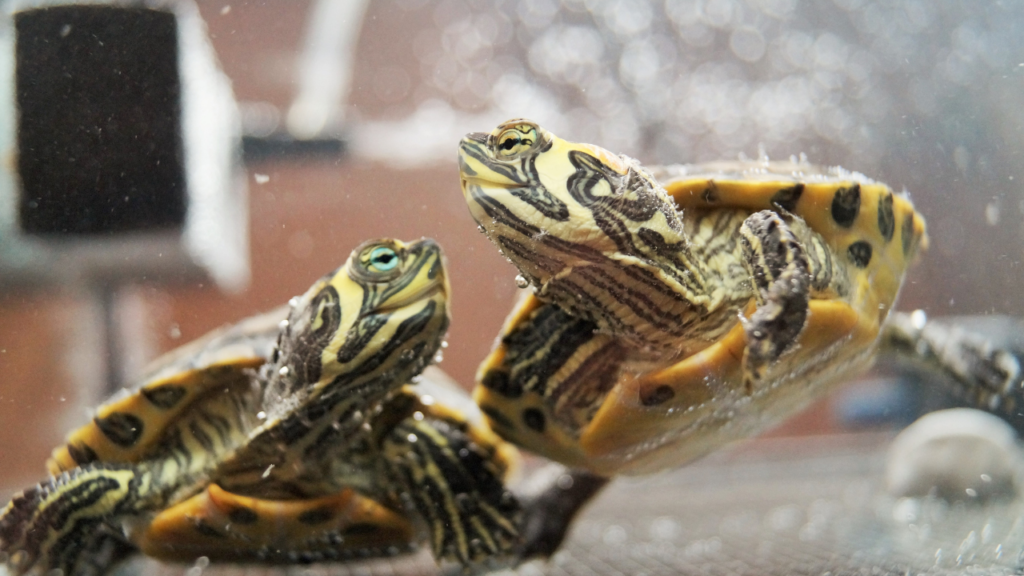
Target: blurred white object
{"points": [[957, 454], [325, 67]]}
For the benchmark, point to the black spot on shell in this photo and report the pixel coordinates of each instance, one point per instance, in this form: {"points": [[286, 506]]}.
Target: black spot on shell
{"points": [[361, 528], [121, 428], [787, 198], [860, 253], [886, 218], [316, 516], [497, 417], [166, 396], [710, 194], [81, 454], [658, 395], [534, 419], [206, 530], [846, 205], [242, 515], [907, 234], [498, 380]]}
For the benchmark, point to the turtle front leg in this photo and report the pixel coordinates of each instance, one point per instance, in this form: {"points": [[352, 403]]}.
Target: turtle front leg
{"points": [[70, 522], [779, 270], [984, 356], [456, 485]]}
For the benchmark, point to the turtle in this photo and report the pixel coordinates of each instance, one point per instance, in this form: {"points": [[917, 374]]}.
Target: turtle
{"points": [[294, 436], [674, 308]]}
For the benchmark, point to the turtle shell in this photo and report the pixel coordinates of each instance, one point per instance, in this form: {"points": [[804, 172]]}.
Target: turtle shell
{"points": [[128, 427], [590, 388]]}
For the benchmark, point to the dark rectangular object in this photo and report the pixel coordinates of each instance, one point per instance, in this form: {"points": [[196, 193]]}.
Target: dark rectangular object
{"points": [[99, 120]]}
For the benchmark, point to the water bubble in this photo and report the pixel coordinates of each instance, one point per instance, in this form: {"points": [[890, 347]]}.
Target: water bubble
{"points": [[918, 318], [992, 213], [521, 281]]}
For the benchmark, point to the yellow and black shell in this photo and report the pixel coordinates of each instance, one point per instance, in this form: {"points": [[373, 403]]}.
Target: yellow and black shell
{"points": [[674, 308], [293, 436]]}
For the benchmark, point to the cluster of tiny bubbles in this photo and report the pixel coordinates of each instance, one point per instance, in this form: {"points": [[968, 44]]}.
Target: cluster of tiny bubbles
{"points": [[695, 80]]}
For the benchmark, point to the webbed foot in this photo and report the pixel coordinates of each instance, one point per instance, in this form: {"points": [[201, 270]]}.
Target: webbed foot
{"points": [[779, 271], [983, 356]]}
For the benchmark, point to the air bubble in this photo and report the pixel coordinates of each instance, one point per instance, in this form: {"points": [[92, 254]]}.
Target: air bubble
{"points": [[521, 281], [283, 371], [918, 318], [412, 438], [283, 324], [261, 415], [294, 301], [992, 213]]}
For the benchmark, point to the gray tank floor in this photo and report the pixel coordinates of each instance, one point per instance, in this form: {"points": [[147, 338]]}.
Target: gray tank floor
{"points": [[770, 507]]}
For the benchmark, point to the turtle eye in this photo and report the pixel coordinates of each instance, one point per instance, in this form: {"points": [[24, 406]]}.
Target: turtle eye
{"points": [[381, 259], [516, 141]]}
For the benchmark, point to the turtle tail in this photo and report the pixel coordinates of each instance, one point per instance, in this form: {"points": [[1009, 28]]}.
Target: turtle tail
{"points": [[69, 522]]}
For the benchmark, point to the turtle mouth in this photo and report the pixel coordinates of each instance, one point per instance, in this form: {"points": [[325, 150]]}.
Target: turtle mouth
{"points": [[428, 292], [478, 166]]}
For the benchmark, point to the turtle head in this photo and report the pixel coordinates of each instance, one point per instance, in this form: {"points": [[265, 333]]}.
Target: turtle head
{"points": [[368, 327], [534, 195]]}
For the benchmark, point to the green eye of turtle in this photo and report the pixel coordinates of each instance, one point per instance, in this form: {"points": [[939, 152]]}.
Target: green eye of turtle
{"points": [[516, 141], [382, 259]]}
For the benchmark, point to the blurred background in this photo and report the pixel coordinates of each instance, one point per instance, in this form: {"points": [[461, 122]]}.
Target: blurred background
{"points": [[351, 111]]}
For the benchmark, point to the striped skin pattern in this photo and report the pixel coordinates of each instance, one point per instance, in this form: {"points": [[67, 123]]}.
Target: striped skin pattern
{"points": [[982, 356], [676, 308], [237, 447]]}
